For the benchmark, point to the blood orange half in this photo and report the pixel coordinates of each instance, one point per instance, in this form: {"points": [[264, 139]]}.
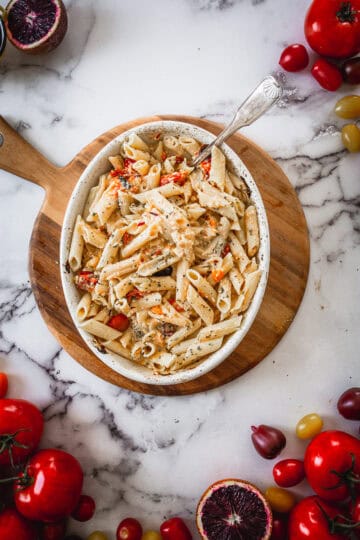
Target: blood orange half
{"points": [[233, 509], [36, 26]]}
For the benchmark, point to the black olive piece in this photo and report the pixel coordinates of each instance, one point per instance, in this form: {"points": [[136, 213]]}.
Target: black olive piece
{"points": [[165, 272]]}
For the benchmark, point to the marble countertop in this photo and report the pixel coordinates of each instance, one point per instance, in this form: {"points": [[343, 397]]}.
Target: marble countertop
{"points": [[152, 457]]}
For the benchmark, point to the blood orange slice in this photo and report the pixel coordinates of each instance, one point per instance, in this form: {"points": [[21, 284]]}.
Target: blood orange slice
{"points": [[233, 509], [36, 26]]}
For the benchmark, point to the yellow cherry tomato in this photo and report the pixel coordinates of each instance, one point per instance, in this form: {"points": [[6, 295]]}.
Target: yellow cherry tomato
{"points": [[350, 135], [151, 535], [97, 535], [280, 500], [309, 426], [348, 107]]}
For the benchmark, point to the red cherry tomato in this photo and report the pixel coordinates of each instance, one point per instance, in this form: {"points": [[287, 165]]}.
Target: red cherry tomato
{"points": [[175, 529], [289, 472], [119, 322], [280, 527], [13, 526], [268, 441], [332, 27], [50, 487], [21, 427], [332, 465], [53, 531], [4, 384], [129, 529], [313, 519], [294, 58], [351, 70], [355, 510], [84, 509], [327, 75], [178, 177], [349, 404]]}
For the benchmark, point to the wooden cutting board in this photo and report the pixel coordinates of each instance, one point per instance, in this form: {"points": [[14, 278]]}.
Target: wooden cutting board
{"points": [[288, 267]]}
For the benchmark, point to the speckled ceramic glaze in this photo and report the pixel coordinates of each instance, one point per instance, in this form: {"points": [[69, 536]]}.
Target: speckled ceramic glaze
{"points": [[90, 178]]}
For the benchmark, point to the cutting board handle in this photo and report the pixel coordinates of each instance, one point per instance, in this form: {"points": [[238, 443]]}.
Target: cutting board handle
{"points": [[17, 156]]}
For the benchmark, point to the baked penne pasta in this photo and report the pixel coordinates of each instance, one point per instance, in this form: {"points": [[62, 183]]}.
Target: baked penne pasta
{"points": [[168, 250]]}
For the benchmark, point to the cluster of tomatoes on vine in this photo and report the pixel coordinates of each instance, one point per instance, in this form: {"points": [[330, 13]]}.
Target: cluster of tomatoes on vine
{"points": [[41, 489], [331, 466]]}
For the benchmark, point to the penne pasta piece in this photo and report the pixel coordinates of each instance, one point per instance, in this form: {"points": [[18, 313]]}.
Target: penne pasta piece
{"points": [[89, 201], [126, 338], [141, 166], [137, 142], [251, 283], [124, 201], [238, 252], [149, 234], [194, 211], [236, 279], [183, 333], [116, 161], [217, 170], [77, 246], [229, 187], [93, 236], [99, 329], [252, 231], [183, 346], [204, 288], [199, 349], [135, 154], [189, 144], [220, 329], [158, 263], [154, 284], [223, 302], [148, 301], [83, 307], [172, 144], [158, 152], [123, 287], [168, 190], [106, 205], [251, 267], [116, 347], [103, 183], [120, 268], [181, 281], [199, 305], [110, 249], [162, 362], [152, 178]]}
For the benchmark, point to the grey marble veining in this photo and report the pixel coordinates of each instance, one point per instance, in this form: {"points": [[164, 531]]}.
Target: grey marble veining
{"points": [[145, 456]]}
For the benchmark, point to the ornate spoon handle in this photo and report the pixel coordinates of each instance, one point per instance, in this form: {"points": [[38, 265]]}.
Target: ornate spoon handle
{"points": [[256, 104]]}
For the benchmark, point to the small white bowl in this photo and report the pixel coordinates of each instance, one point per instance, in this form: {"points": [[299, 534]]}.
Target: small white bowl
{"points": [[89, 178]]}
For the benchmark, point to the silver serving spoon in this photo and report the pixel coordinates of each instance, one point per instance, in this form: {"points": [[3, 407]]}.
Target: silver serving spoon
{"points": [[256, 104]]}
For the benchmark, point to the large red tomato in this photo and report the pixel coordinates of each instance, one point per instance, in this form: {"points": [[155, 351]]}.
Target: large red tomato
{"points": [[15, 527], [314, 519], [21, 427], [332, 27], [50, 487], [332, 465]]}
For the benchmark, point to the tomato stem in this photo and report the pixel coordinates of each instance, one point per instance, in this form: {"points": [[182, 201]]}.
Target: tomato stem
{"points": [[348, 478], [346, 12], [8, 442], [24, 480], [339, 523]]}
